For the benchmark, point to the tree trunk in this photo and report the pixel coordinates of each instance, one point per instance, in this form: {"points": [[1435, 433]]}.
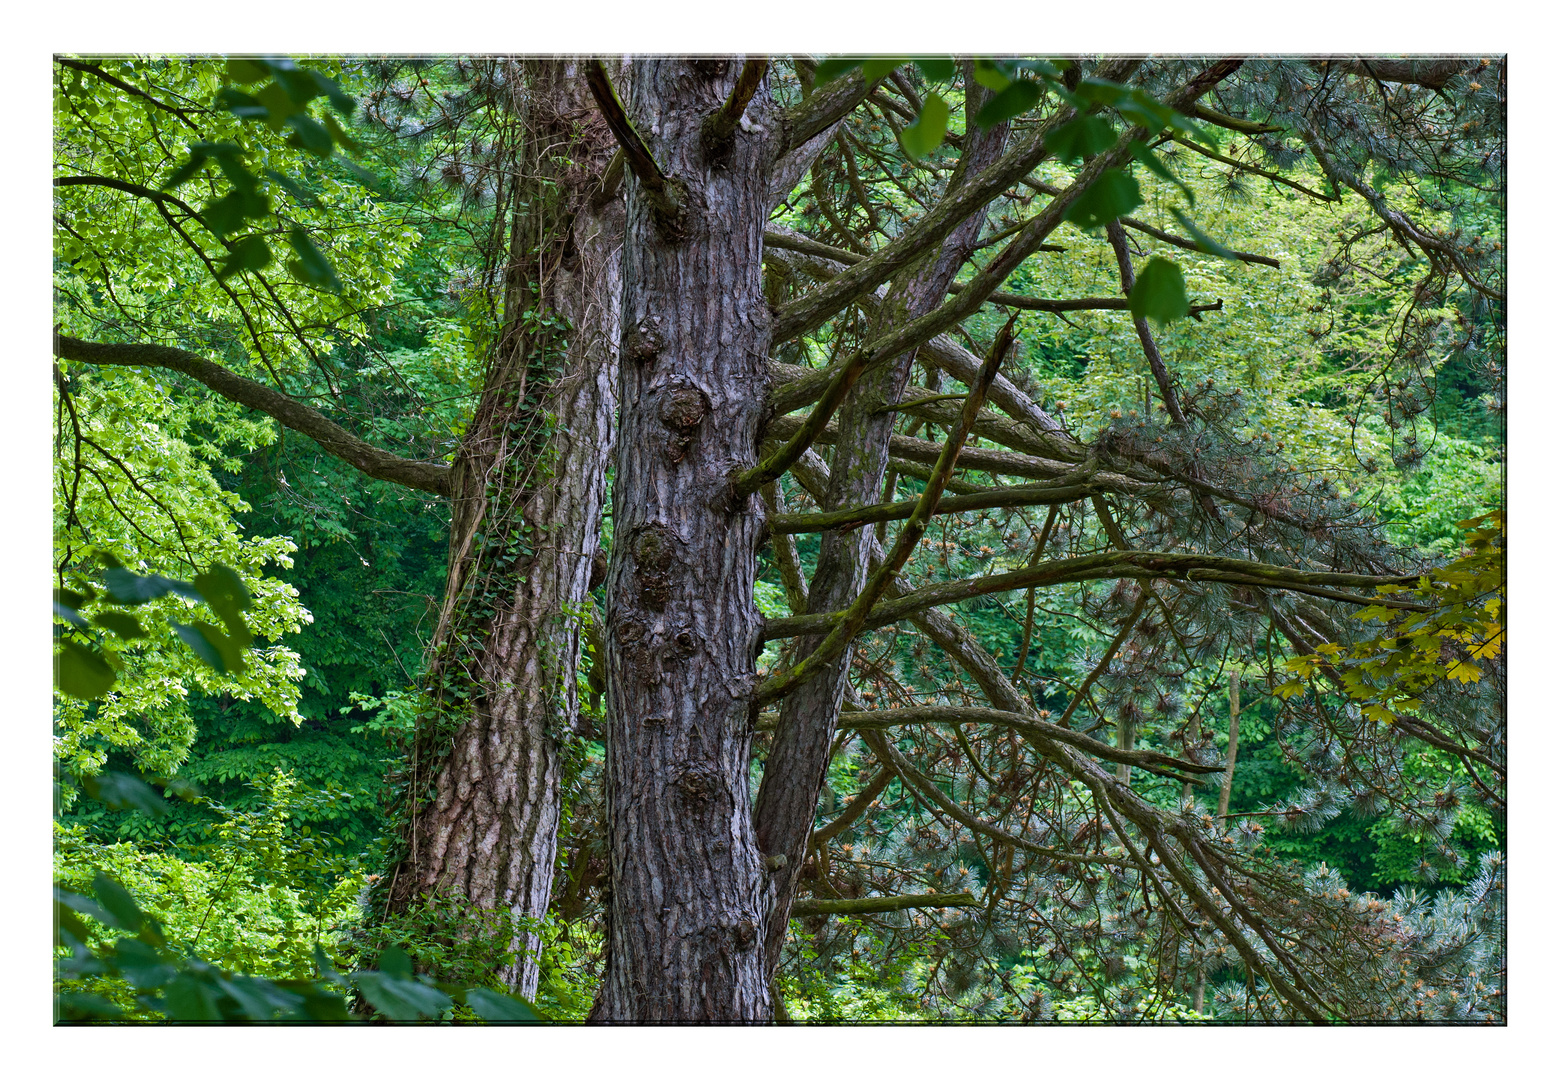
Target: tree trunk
{"points": [[794, 771], [528, 490], [686, 912]]}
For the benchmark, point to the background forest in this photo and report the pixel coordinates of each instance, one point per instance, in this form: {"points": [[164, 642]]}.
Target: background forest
{"points": [[1273, 334]]}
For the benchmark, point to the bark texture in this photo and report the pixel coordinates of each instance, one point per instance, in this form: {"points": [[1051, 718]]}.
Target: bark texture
{"points": [[528, 491], [794, 771], [686, 910]]}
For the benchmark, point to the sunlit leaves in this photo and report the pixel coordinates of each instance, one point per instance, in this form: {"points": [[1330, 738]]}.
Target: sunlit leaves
{"points": [[169, 984], [281, 104], [86, 672]]}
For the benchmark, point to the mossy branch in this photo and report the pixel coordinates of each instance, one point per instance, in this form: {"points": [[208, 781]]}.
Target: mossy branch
{"points": [[874, 905], [721, 126], [665, 193], [1145, 565], [1043, 494]]}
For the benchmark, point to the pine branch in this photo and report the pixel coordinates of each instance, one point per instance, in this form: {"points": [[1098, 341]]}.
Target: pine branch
{"points": [[1025, 724], [1143, 565], [874, 905], [854, 517]]}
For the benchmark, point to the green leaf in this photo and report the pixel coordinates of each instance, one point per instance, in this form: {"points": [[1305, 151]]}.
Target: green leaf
{"points": [[1100, 92], [83, 905], [218, 650], [67, 924], [260, 999], [142, 965], [1205, 241], [311, 267], [1083, 137], [341, 101], [279, 104], [1018, 97], [926, 134], [72, 599], [75, 1007], [244, 70], [1155, 164], [1159, 293], [401, 999], [122, 791], [292, 187], [936, 68], [992, 74], [224, 592], [1043, 68], [395, 962], [129, 588], [1107, 199], [245, 106], [502, 1008], [1196, 132], [190, 1000], [81, 672], [119, 624], [1144, 110], [311, 135], [876, 67], [192, 166], [339, 133], [69, 614], [225, 216], [833, 67], [250, 253], [118, 902]]}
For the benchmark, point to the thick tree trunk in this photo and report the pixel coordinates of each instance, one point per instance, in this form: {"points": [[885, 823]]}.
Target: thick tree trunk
{"points": [[686, 913], [528, 491], [794, 771]]}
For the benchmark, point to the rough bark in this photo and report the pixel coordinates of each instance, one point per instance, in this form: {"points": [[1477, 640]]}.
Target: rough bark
{"points": [[686, 909], [528, 491], [794, 770]]}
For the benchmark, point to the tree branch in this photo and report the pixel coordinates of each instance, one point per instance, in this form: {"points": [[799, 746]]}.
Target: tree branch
{"points": [[854, 517], [1151, 565], [1162, 377], [1024, 724], [721, 125], [664, 192], [873, 905], [430, 476]]}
